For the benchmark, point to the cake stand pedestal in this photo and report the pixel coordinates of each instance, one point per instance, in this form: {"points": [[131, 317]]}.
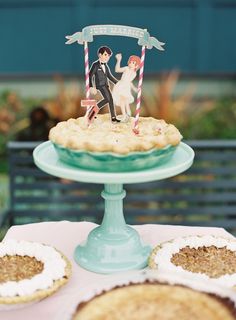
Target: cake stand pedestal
{"points": [[113, 246]]}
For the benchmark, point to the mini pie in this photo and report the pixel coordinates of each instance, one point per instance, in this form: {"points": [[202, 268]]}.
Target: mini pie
{"points": [[203, 257], [157, 296], [104, 136], [30, 271]]}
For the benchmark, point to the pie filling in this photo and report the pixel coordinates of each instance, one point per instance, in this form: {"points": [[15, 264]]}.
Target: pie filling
{"points": [[16, 268], [212, 261]]}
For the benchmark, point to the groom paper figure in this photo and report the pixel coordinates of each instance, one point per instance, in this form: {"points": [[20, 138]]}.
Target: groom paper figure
{"points": [[99, 75]]}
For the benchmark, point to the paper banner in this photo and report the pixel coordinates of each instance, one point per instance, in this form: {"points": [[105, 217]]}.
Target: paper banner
{"points": [[143, 36]]}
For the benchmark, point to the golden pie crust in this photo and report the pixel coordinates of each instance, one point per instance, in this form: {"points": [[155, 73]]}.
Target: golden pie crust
{"points": [[35, 267], [153, 301], [104, 136]]}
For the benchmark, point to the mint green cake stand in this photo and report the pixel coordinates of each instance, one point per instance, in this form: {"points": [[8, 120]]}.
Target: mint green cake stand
{"points": [[113, 246]]}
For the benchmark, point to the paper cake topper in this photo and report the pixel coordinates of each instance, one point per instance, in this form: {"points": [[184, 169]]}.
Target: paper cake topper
{"points": [[87, 34]]}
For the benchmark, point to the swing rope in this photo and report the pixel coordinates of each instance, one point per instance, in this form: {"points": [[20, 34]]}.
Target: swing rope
{"points": [[140, 82]]}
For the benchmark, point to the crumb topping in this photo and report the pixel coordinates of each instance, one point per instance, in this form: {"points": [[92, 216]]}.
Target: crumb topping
{"points": [[212, 261], [16, 268]]}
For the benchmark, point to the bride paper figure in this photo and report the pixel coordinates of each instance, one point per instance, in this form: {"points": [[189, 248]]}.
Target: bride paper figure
{"points": [[122, 95]]}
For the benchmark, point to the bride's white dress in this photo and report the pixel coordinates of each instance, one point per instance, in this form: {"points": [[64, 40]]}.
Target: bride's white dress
{"points": [[122, 89]]}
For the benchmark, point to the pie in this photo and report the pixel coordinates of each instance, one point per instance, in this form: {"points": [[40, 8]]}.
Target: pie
{"points": [[203, 257], [104, 136], [30, 271], [114, 147], [158, 296]]}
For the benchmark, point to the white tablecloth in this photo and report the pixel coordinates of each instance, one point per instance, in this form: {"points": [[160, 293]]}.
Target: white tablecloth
{"points": [[65, 236]]}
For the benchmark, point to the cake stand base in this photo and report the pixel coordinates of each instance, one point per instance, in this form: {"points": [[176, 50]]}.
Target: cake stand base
{"points": [[114, 246], [113, 254]]}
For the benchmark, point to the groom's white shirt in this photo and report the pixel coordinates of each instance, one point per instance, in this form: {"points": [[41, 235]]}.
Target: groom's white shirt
{"points": [[103, 68]]}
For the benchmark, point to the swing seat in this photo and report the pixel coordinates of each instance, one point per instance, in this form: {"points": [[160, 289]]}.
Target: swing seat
{"points": [[88, 103]]}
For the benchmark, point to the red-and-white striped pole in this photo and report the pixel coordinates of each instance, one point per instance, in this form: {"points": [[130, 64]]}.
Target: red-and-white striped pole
{"points": [[140, 82], [88, 102], [86, 63]]}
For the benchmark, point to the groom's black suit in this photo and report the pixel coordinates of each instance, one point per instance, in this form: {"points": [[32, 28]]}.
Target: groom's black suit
{"points": [[100, 77]]}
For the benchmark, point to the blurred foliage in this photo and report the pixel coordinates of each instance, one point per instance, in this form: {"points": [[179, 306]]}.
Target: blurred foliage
{"points": [[14, 113], [216, 123], [196, 118]]}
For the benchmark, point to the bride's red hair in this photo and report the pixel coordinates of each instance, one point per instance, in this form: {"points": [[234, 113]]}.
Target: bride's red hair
{"points": [[137, 60]]}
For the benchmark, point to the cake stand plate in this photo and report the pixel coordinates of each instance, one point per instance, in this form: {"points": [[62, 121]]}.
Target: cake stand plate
{"points": [[114, 246]]}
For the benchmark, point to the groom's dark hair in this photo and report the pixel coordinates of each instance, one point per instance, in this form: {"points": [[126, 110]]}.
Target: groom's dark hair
{"points": [[103, 49]]}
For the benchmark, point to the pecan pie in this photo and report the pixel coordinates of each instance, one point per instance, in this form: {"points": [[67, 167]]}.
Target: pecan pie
{"points": [[203, 257], [30, 271]]}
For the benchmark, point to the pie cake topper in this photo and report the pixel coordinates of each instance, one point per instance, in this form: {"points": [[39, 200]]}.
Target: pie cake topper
{"points": [[30, 271], [201, 257], [99, 75], [107, 142]]}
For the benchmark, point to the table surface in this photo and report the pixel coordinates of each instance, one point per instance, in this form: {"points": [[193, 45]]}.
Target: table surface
{"points": [[65, 236]]}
